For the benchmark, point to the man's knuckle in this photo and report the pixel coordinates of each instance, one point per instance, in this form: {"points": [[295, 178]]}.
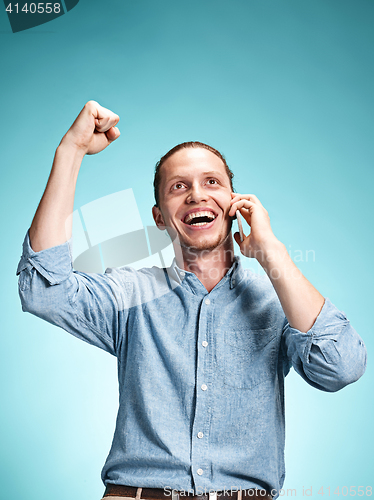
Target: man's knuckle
{"points": [[91, 104]]}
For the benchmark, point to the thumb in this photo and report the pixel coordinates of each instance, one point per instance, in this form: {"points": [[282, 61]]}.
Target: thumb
{"points": [[240, 243], [237, 238], [113, 134]]}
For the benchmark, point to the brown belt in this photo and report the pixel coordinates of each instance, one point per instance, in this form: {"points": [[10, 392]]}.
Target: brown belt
{"points": [[169, 494]]}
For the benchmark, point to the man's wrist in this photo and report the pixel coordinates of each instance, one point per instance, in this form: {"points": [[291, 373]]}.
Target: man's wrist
{"points": [[68, 158], [271, 254], [68, 147]]}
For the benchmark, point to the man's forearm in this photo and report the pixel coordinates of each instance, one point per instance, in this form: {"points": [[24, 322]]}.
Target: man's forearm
{"points": [[93, 130], [52, 223], [300, 301]]}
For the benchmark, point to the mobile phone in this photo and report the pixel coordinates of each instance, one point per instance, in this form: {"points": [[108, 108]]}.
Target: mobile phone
{"points": [[240, 226]]}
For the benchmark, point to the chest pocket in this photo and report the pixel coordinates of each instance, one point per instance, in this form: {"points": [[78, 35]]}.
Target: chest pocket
{"points": [[249, 357]]}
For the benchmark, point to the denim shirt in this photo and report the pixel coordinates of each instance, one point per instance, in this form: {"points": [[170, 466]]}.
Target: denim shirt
{"points": [[201, 375]]}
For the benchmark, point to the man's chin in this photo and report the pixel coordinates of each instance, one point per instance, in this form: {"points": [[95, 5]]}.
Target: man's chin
{"points": [[203, 244], [198, 242]]}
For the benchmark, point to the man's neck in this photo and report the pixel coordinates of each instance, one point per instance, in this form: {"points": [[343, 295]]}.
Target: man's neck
{"points": [[210, 266]]}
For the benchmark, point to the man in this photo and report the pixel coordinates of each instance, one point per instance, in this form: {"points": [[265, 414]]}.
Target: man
{"points": [[203, 346]]}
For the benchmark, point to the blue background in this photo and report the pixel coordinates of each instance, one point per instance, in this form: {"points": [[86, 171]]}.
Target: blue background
{"points": [[284, 88]]}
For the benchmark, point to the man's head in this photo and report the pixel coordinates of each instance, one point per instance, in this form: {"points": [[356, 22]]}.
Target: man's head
{"points": [[175, 149], [193, 187]]}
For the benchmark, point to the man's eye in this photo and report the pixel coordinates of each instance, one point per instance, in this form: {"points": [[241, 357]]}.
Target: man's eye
{"points": [[178, 185], [212, 182]]}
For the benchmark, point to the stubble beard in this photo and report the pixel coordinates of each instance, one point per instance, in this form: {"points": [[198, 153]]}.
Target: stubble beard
{"points": [[204, 245]]}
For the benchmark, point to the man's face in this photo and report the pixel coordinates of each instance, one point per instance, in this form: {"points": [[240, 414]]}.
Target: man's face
{"points": [[195, 195]]}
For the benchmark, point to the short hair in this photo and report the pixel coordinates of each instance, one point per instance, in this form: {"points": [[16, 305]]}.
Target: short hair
{"points": [[184, 145]]}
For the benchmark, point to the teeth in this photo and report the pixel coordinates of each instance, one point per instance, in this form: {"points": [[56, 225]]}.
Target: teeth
{"points": [[204, 213]]}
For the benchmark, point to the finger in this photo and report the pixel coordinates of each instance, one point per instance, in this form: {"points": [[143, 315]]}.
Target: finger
{"points": [[235, 196], [246, 209], [106, 122], [113, 134], [238, 197], [237, 239], [101, 141], [239, 204], [251, 197], [104, 118]]}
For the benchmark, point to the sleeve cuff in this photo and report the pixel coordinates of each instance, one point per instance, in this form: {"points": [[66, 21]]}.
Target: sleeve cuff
{"points": [[54, 264], [327, 326]]}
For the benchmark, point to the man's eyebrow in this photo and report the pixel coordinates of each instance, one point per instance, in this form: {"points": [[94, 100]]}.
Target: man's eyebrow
{"points": [[211, 172]]}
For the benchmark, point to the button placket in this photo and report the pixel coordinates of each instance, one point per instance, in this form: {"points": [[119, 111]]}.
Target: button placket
{"points": [[200, 456]]}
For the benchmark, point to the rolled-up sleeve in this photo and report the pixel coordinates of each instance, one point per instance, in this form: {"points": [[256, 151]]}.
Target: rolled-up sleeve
{"points": [[83, 304], [331, 354]]}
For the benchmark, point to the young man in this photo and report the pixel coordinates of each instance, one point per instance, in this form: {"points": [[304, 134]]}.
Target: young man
{"points": [[203, 346]]}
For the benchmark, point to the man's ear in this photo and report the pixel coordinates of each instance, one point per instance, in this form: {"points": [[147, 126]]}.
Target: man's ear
{"points": [[157, 216]]}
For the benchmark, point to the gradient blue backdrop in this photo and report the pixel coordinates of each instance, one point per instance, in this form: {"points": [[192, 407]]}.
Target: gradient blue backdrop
{"points": [[284, 88]]}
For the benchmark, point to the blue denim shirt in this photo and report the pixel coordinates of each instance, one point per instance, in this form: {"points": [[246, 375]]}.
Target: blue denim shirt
{"points": [[201, 375]]}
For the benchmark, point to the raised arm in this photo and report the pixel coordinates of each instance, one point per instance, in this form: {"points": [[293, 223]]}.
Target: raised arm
{"points": [[85, 305], [93, 130]]}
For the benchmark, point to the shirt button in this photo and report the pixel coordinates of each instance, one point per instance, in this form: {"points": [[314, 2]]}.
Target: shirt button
{"points": [[200, 472], [182, 274], [207, 302], [205, 343], [233, 282], [200, 435], [204, 387]]}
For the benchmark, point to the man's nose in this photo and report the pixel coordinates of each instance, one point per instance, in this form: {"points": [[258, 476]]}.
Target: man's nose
{"points": [[196, 194]]}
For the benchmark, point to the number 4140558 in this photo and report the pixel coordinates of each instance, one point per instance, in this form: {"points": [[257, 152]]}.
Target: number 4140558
{"points": [[34, 8]]}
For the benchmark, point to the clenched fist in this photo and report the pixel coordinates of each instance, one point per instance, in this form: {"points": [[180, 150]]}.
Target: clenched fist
{"points": [[93, 130]]}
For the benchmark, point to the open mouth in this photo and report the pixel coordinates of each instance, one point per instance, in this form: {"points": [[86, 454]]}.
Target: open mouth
{"points": [[201, 218]]}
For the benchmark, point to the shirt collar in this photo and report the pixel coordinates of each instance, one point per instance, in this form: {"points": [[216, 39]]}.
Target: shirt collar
{"points": [[235, 274]]}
